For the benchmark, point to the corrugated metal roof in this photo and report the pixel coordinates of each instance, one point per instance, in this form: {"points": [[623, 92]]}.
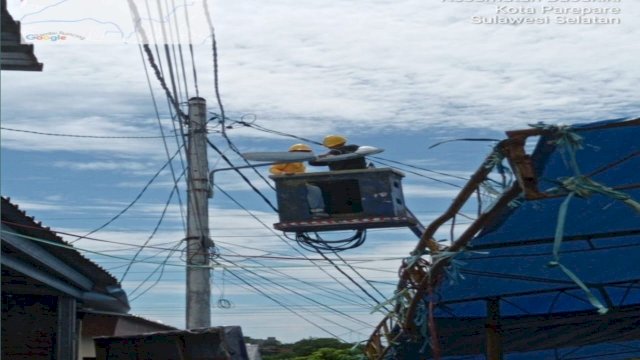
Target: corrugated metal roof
{"points": [[21, 223]]}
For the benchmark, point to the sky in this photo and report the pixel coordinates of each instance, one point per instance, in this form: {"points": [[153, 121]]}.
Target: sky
{"points": [[399, 75]]}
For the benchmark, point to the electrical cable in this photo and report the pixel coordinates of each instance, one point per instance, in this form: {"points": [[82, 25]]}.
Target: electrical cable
{"points": [[235, 149], [193, 63], [160, 267], [145, 44], [174, 190], [312, 285], [263, 129], [352, 280], [178, 135], [318, 243], [144, 189], [291, 246], [418, 174], [176, 90], [226, 159], [275, 132], [360, 275], [184, 74], [84, 136], [164, 141], [284, 305], [463, 139], [157, 247], [216, 82], [214, 48], [341, 313]]}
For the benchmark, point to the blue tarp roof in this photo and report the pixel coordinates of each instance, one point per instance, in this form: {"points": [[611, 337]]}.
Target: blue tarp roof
{"points": [[509, 261]]}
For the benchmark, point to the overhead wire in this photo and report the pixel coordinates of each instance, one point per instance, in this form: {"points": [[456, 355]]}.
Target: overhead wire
{"points": [[297, 279], [308, 298], [137, 21], [83, 136], [160, 267], [353, 281], [178, 133], [418, 174], [216, 83], [164, 141], [133, 202], [291, 246], [263, 129], [285, 306], [193, 62], [246, 180], [179, 41], [155, 229], [176, 90], [157, 246]]}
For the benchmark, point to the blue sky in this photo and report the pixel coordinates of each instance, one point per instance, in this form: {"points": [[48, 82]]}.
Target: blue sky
{"points": [[400, 75]]}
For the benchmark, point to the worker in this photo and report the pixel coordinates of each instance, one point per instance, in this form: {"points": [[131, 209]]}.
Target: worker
{"points": [[292, 167], [314, 193], [337, 145]]}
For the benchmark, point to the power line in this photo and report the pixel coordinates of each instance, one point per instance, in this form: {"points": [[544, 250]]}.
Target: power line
{"points": [[214, 49], [287, 243], [137, 21], [156, 247], [349, 277], [161, 267], [83, 136], [164, 141], [216, 81], [155, 230], [418, 174], [226, 159], [263, 129], [275, 132], [297, 279], [144, 189], [297, 293], [282, 304], [193, 63]]}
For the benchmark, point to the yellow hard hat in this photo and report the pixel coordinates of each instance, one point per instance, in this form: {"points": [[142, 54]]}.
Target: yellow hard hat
{"points": [[331, 141], [300, 148]]}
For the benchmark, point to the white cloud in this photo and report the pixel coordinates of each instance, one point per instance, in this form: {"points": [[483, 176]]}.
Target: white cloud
{"points": [[103, 165]]}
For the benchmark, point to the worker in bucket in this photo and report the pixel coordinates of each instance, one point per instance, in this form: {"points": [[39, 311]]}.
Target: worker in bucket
{"points": [[337, 145], [293, 167], [314, 193]]}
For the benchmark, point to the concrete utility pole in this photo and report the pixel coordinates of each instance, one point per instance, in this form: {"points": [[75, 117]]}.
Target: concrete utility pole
{"points": [[198, 275]]}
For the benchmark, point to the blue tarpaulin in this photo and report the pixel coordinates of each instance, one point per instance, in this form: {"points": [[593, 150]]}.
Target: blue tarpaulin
{"points": [[544, 314]]}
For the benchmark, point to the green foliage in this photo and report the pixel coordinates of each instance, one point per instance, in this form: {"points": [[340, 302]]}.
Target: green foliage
{"points": [[312, 349], [331, 354]]}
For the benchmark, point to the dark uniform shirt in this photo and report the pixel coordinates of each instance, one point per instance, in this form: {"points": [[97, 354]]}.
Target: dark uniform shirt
{"points": [[349, 164]]}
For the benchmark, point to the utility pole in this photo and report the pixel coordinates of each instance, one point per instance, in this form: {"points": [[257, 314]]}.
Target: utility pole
{"points": [[198, 274]]}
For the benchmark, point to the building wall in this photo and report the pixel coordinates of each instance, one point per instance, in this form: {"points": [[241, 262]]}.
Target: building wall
{"points": [[29, 324]]}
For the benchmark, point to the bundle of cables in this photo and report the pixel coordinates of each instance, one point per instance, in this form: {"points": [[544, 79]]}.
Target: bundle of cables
{"points": [[317, 243]]}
